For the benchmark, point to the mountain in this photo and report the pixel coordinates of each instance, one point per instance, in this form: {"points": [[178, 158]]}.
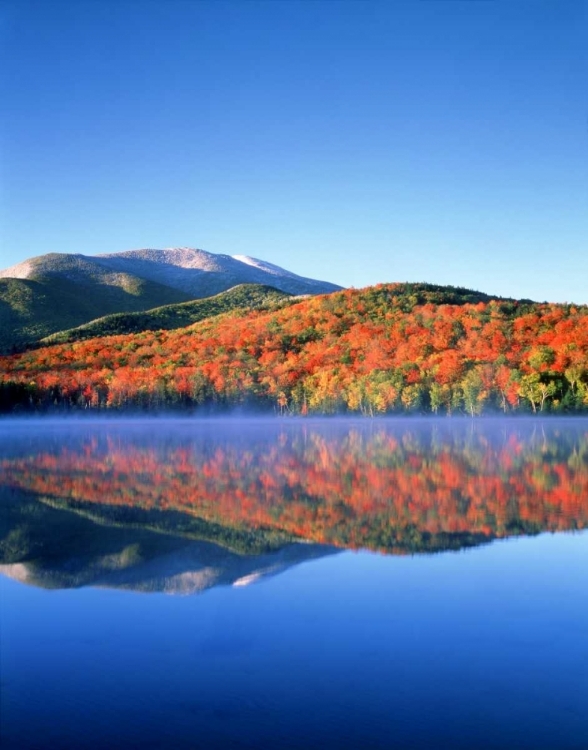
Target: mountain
{"points": [[202, 274], [388, 348], [59, 291]]}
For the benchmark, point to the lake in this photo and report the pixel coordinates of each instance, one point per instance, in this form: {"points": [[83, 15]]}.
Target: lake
{"points": [[294, 584]]}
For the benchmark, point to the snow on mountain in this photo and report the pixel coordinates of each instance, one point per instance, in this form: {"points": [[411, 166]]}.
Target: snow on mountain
{"points": [[264, 266]]}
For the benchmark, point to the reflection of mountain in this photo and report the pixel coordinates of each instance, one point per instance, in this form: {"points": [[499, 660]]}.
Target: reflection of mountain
{"points": [[53, 548]]}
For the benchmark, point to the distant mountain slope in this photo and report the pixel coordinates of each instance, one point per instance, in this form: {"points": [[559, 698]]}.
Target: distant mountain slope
{"points": [[169, 317], [32, 308], [59, 291]]}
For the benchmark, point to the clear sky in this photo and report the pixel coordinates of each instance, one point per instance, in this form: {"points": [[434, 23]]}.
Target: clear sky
{"points": [[359, 142]]}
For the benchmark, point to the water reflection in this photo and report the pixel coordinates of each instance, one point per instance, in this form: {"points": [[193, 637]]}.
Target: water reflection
{"points": [[184, 506], [54, 548]]}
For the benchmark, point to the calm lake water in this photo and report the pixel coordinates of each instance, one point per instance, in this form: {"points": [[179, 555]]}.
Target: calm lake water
{"points": [[294, 584]]}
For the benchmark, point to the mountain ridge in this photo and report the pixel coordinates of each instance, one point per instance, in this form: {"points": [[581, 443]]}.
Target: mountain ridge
{"points": [[183, 268]]}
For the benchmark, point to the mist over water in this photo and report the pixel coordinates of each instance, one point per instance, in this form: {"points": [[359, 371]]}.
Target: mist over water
{"points": [[360, 583]]}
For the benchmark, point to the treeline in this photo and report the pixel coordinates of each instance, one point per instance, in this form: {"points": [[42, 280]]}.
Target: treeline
{"points": [[385, 349]]}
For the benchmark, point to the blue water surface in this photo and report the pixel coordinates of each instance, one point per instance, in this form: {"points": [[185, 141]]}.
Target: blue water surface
{"points": [[485, 648], [121, 635]]}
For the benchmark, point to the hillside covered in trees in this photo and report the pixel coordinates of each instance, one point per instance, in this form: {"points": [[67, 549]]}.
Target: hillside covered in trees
{"points": [[384, 349], [35, 307]]}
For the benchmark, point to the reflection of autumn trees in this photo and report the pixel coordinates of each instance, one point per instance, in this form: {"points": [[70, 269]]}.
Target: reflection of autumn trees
{"points": [[382, 349], [383, 490]]}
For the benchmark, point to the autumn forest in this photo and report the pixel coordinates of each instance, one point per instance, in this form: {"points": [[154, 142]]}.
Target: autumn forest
{"points": [[392, 348]]}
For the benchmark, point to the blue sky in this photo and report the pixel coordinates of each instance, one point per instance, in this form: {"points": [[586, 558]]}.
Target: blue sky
{"points": [[360, 142]]}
